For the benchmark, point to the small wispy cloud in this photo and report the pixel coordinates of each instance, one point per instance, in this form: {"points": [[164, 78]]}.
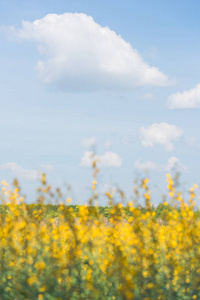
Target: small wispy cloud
{"points": [[21, 172], [107, 160], [89, 142], [145, 166], [125, 140], [173, 164]]}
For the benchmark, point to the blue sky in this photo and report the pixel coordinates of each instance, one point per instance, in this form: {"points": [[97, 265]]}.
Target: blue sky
{"points": [[118, 77]]}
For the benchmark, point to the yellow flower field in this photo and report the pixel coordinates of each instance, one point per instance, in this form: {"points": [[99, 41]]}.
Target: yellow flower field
{"points": [[84, 255]]}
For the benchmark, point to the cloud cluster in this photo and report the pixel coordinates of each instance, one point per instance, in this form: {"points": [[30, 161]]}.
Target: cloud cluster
{"points": [[107, 160], [173, 164], [79, 54], [162, 134], [186, 99]]}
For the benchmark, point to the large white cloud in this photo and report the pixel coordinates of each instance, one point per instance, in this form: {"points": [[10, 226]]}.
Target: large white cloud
{"points": [[162, 134], [173, 164], [186, 99], [79, 54], [107, 160]]}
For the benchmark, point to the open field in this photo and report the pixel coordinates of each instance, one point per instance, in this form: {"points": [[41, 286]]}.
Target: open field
{"points": [[89, 252]]}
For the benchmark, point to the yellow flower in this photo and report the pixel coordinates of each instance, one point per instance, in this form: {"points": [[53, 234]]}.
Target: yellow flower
{"points": [[42, 289], [40, 265], [43, 178], [150, 285], [145, 274], [32, 280], [4, 183], [69, 200]]}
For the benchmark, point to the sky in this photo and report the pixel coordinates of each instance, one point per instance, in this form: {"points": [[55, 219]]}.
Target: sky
{"points": [[117, 81]]}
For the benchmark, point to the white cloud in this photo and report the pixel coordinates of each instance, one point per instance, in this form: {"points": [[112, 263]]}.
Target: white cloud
{"points": [[186, 99], [20, 172], [173, 164], [107, 160], [79, 54], [162, 134], [89, 142]]}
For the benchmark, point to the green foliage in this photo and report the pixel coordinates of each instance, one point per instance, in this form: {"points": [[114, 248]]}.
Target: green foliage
{"points": [[52, 210]]}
